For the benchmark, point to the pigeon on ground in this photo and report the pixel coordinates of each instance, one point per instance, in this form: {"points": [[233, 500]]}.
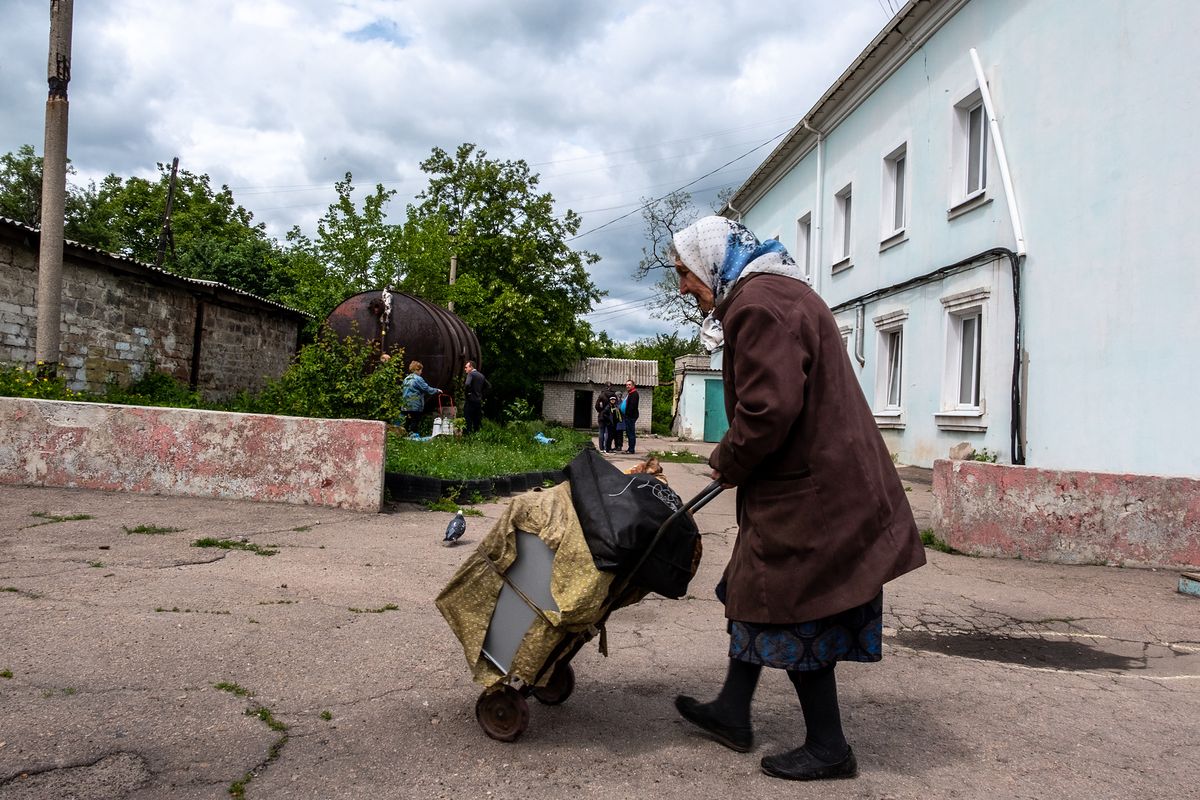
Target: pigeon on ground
{"points": [[455, 530]]}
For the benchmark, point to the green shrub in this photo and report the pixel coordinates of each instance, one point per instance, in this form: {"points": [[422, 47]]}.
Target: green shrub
{"points": [[18, 381], [154, 389], [660, 422], [333, 378], [519, 410]]}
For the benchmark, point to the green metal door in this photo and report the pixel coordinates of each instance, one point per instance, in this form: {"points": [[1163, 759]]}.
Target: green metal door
{"points": [[715, 423]]}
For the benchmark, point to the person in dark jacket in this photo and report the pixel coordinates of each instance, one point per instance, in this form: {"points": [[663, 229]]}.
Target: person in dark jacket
{"points": [[476, 384], [631, 413], [823, 521], [610, 419], [601, 406]]}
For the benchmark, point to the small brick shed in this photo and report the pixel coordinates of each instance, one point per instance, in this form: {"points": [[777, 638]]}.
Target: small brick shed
{"points": [[568, 398]]}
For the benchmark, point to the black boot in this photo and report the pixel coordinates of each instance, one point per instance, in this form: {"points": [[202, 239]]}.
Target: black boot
{"points": [[825, 754], [727, 719]]}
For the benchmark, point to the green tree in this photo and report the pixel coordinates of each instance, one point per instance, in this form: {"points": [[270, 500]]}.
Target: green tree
{"points": [[520, 286], [21, 189], [354, 251]]}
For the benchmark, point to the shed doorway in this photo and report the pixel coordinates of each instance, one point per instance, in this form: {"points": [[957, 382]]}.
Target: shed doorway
{"points": [[715, 422], [581, 417]]}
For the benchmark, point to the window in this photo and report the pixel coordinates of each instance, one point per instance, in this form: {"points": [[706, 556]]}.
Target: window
{"points": [[803, 252], [889, 369], [895, 348], [963, 403], [976, 149], [970, 349], [842, 230], [895, 192], [970, 150]]}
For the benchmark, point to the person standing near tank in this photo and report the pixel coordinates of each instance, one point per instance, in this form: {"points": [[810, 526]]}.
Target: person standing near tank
{"points": [[631, 413], [823, 521], [475, 387], [413, 391]]}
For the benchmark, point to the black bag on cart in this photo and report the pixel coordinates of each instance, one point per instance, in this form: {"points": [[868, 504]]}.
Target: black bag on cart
{"points": [[620, 515]]}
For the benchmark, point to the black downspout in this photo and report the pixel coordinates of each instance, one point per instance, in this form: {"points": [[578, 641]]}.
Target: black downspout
{"points": [[1017, 449], [197, 342]]}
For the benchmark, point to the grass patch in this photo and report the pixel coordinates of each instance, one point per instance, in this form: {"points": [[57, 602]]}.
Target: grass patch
{"points": [[96, 564], [50, 519], [450, 505], [233, 688], [494, 450], [151, 530], [325, 715], [678, 457], [6, 674], [234, 544], [303, 529], [934, 543], [380, 610]]}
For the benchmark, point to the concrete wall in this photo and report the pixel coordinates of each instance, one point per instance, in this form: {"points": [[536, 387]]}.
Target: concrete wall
{"points": [[689, 416], [1067, 517], [338, 463], [121, 319], [1104, 174]]}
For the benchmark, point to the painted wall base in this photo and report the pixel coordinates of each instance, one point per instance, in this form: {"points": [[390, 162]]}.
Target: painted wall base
{"points": [[1066, 517], [169, 451]]}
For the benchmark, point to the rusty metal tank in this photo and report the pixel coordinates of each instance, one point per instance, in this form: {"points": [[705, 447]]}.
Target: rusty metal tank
{"points": [[441, 341]]}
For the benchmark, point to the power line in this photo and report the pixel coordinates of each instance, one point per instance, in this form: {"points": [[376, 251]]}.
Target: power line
{"points": [[681, 188]]}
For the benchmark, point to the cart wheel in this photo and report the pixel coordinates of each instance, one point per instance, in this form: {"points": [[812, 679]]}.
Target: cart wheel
{"points": [[559, 687], [503, 714]]}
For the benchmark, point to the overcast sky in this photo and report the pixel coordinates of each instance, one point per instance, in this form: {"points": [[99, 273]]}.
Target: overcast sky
{"points": [[610, 101]]}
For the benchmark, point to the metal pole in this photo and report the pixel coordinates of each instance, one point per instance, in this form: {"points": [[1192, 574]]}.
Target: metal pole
{"points": [[54, 190], [453, 275], [166, 234]]}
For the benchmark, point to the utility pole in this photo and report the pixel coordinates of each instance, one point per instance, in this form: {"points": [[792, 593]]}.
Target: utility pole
{"points": [[167, 235], [453, 263], [54, 189]]}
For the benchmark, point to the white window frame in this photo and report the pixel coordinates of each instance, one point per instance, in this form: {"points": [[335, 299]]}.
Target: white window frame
{"points": [[962, 142], [803, 253], [889, 368], [896, 196], [843, 227], [973, 304]]}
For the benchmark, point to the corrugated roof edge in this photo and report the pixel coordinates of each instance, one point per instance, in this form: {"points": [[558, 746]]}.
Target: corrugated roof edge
{"points": [[89, 250], [615, 371]]}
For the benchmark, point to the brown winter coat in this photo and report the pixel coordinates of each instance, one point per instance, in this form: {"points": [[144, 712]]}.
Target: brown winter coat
{"points": [[823, 521]]}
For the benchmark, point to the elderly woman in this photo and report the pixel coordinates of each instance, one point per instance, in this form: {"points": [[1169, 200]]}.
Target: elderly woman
{"points": [[412, 393], [823, 521]]}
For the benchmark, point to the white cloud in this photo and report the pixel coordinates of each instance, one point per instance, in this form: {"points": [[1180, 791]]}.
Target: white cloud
{"points": [[610, 101]]}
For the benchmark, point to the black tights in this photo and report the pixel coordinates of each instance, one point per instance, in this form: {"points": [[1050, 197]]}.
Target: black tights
{"points": [[817, 691]]}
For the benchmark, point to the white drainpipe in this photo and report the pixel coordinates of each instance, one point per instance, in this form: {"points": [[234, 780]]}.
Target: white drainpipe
{"points": [[1005, 176]]}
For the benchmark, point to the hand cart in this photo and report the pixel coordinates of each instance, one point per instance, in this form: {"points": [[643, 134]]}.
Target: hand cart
{"points": [[502, 710]]}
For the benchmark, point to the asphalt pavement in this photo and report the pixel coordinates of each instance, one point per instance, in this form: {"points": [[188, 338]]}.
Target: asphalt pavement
{"points": [[134, 664]]}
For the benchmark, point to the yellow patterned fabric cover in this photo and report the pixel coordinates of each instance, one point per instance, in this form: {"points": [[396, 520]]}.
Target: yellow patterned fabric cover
{"points": [[577, 586]]}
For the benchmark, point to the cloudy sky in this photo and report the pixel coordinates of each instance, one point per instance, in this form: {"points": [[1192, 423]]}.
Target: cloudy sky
{"points": [[610, 101]]}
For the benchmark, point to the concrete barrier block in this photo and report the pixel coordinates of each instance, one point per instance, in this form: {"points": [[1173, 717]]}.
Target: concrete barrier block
{"points": [[338, 463], [1070, 517]]}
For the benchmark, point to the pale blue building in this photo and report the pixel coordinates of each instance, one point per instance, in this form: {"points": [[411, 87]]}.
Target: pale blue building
{"points": [[911, 204]]}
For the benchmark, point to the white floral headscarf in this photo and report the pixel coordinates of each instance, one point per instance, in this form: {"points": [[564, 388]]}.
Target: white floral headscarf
{"points": [[720, 252]]}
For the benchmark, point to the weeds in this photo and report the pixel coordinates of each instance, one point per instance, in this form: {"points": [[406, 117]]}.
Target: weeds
{"points": [[237, 789], [96, 564], [178, 610], [53, 518], [934, 543], [234, 544], [325, 715], [450, 505], [678, 457], [151, 530], [388, 607], [985, 455], [6, 674]]}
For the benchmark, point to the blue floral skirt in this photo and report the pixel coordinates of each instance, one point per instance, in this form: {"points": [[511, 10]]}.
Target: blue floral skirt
{"points": [[855, 634]]}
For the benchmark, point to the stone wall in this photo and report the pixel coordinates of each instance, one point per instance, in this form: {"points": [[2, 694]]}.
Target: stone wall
{"points": [[122, 319], [1066, 517], [326, 462]]}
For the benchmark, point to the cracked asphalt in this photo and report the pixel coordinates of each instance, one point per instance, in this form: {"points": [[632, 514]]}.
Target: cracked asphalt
{"points": [[134, 665]]}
